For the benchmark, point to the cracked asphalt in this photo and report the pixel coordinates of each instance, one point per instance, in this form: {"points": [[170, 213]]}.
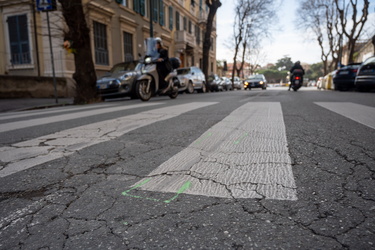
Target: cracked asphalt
{"points": [[77, 200]]}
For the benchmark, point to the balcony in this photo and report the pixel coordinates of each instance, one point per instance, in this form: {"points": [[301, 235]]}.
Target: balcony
{"points": [[202, 17], [184, 39]]}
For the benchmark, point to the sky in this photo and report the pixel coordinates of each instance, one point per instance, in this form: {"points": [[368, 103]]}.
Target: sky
{"points": [[285, 40]]}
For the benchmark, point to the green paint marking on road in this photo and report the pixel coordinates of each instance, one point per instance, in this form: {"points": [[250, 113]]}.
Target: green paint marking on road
{"points": [[136, 186], [204, 137], [241, 138], [180, 191]]}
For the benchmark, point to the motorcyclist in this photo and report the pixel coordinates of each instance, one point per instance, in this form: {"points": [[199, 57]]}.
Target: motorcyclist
{"points": [[297, 65], [163, 65]]}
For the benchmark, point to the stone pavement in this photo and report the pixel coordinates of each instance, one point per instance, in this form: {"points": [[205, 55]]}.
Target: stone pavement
{"points": [[7, 105]]}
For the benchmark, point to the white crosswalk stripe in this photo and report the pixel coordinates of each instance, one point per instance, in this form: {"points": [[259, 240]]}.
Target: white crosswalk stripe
{"points": [[243, 156], [27, 154], [24, 114], [359, 113], [42, 121]]}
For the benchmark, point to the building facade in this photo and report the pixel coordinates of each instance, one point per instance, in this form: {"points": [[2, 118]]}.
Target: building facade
{"points": [[118, 29]]}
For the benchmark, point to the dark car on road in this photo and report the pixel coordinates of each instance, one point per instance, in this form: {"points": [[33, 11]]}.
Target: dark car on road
{"points": [[119, 81], [345, 77], [255, 81], [366, 75]]}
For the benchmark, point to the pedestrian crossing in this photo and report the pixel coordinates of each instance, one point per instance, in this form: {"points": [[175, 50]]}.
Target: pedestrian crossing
{"points": [[243, 156]]}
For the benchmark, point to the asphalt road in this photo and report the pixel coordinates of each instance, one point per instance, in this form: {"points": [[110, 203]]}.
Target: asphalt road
{"points": [[232, 170]]}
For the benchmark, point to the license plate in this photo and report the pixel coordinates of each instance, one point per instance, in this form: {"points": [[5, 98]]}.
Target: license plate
{"points": [[297, 82], [344, 72], [368, 70], [103, 86]]}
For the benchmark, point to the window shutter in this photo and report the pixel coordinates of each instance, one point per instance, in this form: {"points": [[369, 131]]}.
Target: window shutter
{"points": [[142, 8], [170, 18], [161, 17]]}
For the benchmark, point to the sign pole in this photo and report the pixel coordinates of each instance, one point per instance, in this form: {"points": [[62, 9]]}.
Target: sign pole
{"points": [[52, 59]]}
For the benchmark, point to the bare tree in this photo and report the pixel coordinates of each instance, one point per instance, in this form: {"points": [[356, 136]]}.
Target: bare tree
{"points": [[321, 17], [353, 30], [253, 18], [213, 5], [79, 33], [240, 29]]}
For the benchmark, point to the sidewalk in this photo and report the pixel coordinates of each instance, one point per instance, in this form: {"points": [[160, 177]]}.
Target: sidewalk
{"points": [[7, 105]]}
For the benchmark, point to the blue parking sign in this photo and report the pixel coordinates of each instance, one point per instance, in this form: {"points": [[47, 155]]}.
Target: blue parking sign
{"points": [[45, 5]]}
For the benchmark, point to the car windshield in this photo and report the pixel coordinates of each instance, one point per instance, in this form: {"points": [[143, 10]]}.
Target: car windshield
{"points": [[151, 48], [183, 71], [122, 67], [255, 78]]}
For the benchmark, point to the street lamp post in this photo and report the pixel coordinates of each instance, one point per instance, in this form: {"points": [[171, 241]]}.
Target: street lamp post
{"points": [[151, 17]]}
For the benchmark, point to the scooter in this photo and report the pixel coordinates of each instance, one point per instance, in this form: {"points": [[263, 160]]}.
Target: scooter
{"points": [[297, 79], [147, 84]]}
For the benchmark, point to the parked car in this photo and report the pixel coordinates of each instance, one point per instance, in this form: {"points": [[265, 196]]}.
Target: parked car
{"points": [[214, 82], [237, 83], [255, 81], [226, 83], [366, 75], [193, 77], [345, 77], [119, 81]]}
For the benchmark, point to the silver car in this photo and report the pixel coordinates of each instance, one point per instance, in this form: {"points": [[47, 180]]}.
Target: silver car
{"points": [[193, 78]]}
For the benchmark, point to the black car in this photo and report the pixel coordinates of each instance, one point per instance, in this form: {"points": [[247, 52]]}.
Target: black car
{"points": [[119, 81], [366, 75], [255, 81], [345, 77]]}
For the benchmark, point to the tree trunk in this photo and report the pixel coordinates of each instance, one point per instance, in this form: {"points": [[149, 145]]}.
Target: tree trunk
{"points": [[79, 35], [213, 6]]}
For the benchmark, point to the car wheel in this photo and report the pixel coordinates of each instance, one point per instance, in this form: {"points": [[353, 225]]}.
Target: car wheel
{"points": [[203, 89], [190, 88]]}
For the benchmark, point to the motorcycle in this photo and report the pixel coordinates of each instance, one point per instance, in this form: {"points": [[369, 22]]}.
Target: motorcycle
{"points": [[297, 79], [147, 85]]}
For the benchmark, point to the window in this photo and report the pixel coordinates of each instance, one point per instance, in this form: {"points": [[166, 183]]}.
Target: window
{"points": [[197, 35], [161, 13], [19, 39], [155, 9], [125, 3], [177, 20], [128, 47], [139, 6], [170, 18], [190, 27], [185, 24], [192, 2], [100, 43]]}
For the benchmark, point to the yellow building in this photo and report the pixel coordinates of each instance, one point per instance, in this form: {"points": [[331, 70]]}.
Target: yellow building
{"points": [[118, 29]]}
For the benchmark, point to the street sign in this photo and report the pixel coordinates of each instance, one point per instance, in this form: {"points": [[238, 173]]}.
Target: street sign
{"points": [[45, 5]]}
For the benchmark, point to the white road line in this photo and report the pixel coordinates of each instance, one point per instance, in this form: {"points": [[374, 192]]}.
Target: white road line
{"points": [[42, 121], [27, 154], [243, 156], [22, 114], [356, 112]]}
